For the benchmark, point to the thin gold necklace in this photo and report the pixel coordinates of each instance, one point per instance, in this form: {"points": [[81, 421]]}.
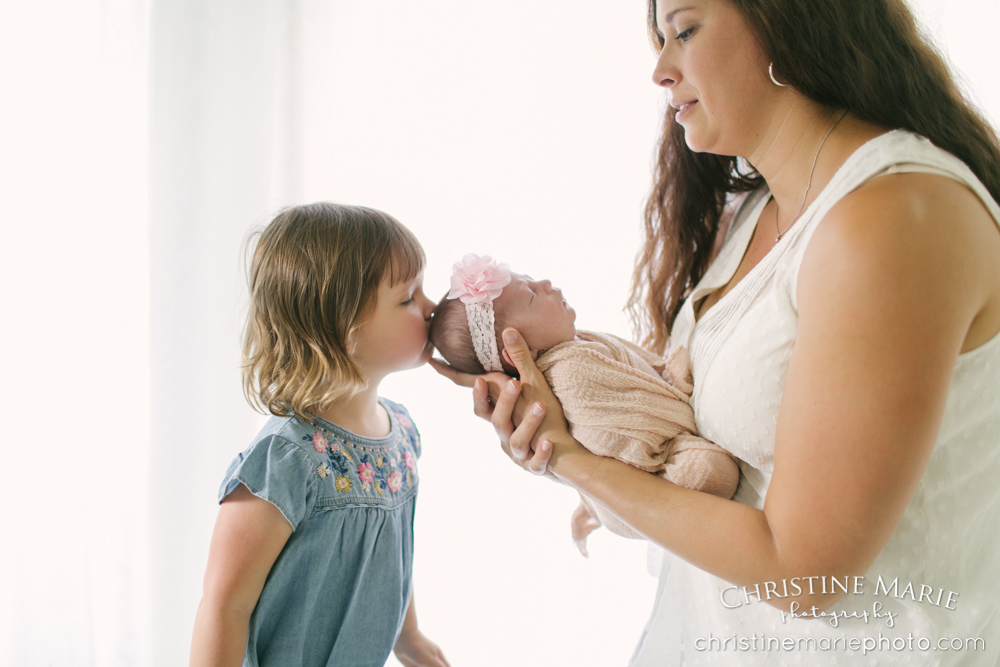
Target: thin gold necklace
{"points": [[805, 195]]}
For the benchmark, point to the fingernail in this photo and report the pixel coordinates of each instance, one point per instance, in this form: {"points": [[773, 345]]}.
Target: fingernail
{"points": [[509, 337], [536, 409], [546, 445], [510, 387]]}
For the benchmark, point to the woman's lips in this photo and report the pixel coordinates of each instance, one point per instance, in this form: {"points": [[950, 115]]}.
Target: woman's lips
{"points": [[684, 107]]}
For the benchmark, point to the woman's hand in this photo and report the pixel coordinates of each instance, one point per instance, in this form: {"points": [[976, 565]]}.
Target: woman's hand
{"points": [[525, 413], [527, 416]]}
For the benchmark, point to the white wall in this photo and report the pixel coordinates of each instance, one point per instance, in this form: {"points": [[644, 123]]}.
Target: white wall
{"points": [[74, 332]]}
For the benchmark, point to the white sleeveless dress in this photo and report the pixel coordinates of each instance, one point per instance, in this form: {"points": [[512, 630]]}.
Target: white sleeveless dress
{"points": [[948, 536]]}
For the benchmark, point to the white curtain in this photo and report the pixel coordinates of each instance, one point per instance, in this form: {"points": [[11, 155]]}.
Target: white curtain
{"points": [[223, 154], [74, 309], [140, 141]]}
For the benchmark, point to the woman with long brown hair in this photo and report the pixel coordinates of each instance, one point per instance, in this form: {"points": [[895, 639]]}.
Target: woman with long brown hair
{"points": [[844, 332]]}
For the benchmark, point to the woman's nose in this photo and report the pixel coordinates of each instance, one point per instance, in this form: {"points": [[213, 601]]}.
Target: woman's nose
{"points": [[665, 73], [545, 285]]}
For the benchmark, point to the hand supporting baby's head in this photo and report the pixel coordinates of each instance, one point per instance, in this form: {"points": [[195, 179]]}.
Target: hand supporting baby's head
{"points": [[485, 299]]}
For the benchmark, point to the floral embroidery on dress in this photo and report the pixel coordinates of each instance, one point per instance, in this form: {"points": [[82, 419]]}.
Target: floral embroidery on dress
{"points": [[366, 474], [395, 480], [377, 469], [319, 442]]}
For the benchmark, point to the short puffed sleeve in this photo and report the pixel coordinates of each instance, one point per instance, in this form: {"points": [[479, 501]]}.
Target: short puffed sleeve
{"points": [[276, 471]]}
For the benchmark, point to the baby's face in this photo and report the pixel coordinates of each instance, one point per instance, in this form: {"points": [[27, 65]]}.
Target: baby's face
{"points": [[537, 311]]}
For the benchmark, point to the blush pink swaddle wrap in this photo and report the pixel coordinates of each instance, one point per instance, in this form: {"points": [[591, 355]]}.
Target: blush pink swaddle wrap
{"points": [[626, 403]]}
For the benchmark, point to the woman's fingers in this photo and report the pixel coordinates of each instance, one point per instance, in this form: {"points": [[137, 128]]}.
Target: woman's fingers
{"points": [[458, 377], [517, 353], [481, 403], [536, 387], [539, 462], [503, 410], [520, 440]]}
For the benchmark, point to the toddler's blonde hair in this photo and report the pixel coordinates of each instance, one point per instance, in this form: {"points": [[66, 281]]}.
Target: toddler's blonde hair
{"points": [[314, 280]]}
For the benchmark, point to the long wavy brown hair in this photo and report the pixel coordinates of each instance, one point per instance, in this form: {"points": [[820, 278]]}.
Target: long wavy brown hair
{"points": [[865, 56]]}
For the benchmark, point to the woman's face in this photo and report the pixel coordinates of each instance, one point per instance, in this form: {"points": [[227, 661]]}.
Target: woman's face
{"points": [[715, 74]]}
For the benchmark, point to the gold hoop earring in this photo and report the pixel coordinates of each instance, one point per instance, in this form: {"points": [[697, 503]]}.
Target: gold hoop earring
{"points": [[770, 73]]}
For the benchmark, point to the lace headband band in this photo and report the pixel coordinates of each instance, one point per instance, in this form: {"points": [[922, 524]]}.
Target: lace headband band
{"points": [[476, 281]]}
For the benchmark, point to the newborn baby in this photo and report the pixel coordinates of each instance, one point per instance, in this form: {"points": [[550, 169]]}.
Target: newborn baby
{"points": [[619, 400]]}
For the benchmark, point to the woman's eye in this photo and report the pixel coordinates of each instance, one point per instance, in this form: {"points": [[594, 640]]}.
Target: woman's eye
{"points": [[685, 35], [408, 301]]}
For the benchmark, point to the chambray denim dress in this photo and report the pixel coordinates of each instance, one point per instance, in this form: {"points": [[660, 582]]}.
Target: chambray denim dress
{"points": [[338, 592]]}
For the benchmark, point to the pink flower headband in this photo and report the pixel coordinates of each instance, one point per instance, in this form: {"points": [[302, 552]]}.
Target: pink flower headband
{"points": [[476, 281]]}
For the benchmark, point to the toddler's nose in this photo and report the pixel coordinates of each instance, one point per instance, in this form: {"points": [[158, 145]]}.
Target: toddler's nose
{"points": [[428, 308]]}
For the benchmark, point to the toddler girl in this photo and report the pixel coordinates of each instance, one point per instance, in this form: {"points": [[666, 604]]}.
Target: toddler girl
{"points": [[310, 561], [619, 400]]}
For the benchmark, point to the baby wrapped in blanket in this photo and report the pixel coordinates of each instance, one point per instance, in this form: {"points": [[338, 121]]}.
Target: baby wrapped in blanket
{"points": [[619, 400]]}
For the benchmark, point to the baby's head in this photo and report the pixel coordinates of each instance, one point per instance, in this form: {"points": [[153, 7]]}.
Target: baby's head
{"points": [[487, 298], [316, 279]]}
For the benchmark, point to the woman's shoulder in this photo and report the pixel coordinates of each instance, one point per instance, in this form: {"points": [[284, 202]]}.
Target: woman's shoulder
{"points": [[898, 186], [900, 152], [900, 206], [922, 240]]}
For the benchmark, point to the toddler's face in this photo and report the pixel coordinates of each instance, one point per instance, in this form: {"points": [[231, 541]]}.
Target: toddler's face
{"points": [[395, 337], [537, 311]]}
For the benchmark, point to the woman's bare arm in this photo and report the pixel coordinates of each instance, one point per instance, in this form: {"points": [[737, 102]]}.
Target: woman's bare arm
{"points": [[886, 300]]}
